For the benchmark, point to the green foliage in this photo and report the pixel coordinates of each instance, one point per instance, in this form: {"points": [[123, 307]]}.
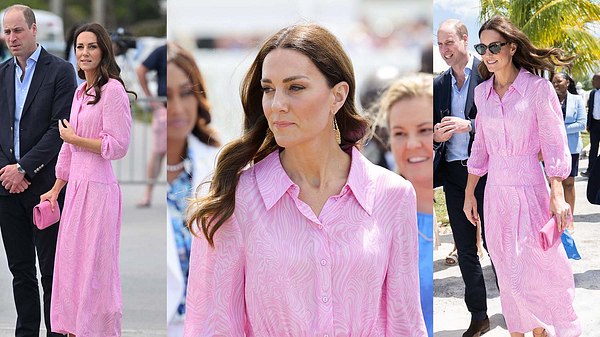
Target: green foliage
{"points": [[555, 23], [36, 4]]}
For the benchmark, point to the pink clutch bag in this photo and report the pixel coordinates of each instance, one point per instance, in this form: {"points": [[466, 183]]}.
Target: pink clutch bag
{"points": [[549, 234], [43, 216]]}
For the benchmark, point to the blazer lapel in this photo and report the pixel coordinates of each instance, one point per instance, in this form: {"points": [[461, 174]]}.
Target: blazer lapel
{"points": [[36, 81], [447, 98], [473, 82], [9, 79]]}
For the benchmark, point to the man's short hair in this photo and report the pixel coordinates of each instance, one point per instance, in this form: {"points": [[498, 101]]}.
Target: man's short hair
{"points": [[27, 13]]}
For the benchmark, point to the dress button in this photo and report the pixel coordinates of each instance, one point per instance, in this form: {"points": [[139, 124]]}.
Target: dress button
{"points": [[320, 226], [323, 262], [325, 299], [325, 335]]}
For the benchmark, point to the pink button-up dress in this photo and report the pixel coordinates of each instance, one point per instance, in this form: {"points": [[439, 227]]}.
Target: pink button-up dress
{"points": [[278, 270], [86, 291], [536, 286]]}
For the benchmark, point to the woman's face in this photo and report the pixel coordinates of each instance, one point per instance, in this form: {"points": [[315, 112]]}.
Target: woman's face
{"points": [[411, 138], [87, 52], [502, 60], [297, 101], [182, 105], [560, 84]]}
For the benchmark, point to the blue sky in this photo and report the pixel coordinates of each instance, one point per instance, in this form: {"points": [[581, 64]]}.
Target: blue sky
{"points": [[465, 10]]}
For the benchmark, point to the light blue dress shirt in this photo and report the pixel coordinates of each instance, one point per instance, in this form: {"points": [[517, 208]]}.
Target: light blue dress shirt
{"points": [[21, 90], [457, 147]]}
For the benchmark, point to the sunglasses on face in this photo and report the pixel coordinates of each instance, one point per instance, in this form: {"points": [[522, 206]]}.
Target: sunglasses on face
{"points": [[494, 47]]}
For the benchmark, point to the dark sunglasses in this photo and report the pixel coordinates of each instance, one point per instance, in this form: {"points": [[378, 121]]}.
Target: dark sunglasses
{"points": [[494, 47]]}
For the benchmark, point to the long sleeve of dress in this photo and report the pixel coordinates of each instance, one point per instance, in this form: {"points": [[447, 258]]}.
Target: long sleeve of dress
{"points": [[553, 137], [479, 157], [63, 164], [116, 122], [580, 117], [215, 304], [403, 305]]}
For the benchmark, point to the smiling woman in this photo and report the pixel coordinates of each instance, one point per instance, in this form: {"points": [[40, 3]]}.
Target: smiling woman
{"points": [[405, 109]]}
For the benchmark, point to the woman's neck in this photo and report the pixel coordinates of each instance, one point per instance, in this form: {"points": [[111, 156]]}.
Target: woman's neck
{"points": [[314, 164], [90, 79], [424, 197], [175, 155], [562, 96], [176, 151], [506, 76]]}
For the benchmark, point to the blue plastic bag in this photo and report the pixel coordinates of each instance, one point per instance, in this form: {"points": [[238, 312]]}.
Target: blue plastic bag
{"points": [[569, 244]]}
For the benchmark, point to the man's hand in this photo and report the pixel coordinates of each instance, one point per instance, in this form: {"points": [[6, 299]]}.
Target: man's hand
{"points": [[21, 187], [450, 125], [12, 180]]}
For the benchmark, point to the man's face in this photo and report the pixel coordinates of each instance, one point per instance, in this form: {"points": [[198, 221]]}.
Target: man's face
{"points": [[20, 38], [453, 48], [596, 81]]}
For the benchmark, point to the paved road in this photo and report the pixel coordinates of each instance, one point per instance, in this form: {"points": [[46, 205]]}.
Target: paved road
{"points": [[451, 317]]}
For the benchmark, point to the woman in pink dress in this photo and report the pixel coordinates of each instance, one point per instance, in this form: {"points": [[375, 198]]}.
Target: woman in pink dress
{"points": [[86, 298], [519, 116], [311, 239]]}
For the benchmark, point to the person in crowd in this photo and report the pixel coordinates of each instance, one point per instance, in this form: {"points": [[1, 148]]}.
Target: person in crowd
{"points": [[454, 116], [593, 186], [156, 61], [573, 112], [37, 90], [405, 110], [593, 123], [519, 116], [311, 238], [86, 290], [191, 157]]}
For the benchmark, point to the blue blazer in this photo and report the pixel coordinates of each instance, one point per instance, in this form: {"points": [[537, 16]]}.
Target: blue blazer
{"points": [[575, 122]]}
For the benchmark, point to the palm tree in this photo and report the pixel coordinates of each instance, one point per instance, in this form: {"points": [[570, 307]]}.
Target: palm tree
{"points": [[567, 24]]}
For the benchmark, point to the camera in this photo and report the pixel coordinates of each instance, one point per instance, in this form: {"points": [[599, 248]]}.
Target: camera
{"points": [[122, 41]]}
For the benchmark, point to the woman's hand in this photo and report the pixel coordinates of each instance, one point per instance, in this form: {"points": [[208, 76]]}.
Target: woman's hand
{"points": [[470, 208], [561, 210], [67, 133], [51, 196]]}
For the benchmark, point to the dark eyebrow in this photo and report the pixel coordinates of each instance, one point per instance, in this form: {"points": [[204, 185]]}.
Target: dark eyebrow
{"points": [[285, 80], [419, 125]]}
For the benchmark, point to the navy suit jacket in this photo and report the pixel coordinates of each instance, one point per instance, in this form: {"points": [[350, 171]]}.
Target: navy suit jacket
{"points": [[442, 104], [48, 100], [590, 118]]}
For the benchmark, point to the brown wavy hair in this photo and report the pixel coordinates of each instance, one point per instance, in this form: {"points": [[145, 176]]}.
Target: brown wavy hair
{"points": [[533, 59], [108, 67], [184, 60], [326, 53]]}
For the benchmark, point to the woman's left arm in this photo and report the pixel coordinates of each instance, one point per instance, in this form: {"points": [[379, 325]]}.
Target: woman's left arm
{"points": [[401, 288], [555, 151], [116, 125], [116, 122], [580, 116], [68, 135], [559, 208]]}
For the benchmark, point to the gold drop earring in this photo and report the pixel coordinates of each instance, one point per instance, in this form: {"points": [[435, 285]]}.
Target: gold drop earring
{"points": [[336, 130]]}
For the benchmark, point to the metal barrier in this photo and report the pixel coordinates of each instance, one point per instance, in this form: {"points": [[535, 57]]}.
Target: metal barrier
{"points": [[132, 169]]}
